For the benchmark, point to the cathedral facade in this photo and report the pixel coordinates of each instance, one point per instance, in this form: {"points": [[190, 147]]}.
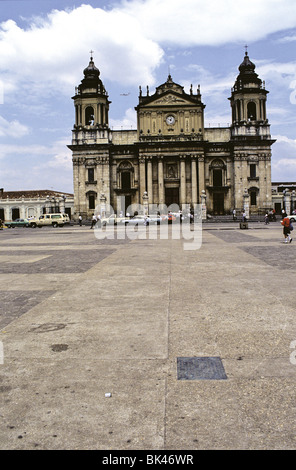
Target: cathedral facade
{"points": [[172, 158]]}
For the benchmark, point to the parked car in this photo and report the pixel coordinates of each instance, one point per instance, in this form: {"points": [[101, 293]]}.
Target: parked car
{"points": [[292, 217], [54, 220], [113, 219], [143, 220], [67, 219], [17, 223], [136, 220]]}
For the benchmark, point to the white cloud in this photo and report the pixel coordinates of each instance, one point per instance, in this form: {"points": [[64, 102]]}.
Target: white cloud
{"points": [[286, 140], [196, 22], [12, 129], [128, 39], [52, 50], [129, 121], [53, 155], [284, 159], [36, 166]]}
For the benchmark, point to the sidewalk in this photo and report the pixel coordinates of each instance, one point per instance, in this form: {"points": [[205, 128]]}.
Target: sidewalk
{"points": [[118, 317]]}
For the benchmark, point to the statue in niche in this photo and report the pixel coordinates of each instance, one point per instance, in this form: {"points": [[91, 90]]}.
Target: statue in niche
{"points": [[172, 171]]}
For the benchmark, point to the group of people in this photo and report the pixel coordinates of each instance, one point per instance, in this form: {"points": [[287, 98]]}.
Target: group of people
{"points": [[270, 216], [244, 215]]}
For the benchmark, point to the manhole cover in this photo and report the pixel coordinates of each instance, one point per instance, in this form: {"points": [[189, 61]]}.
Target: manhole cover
{"points": [[200, 368]]}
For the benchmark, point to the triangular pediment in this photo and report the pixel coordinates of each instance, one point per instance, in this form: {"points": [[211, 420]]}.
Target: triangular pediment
{"points": [[168, 98], [169, 94]]}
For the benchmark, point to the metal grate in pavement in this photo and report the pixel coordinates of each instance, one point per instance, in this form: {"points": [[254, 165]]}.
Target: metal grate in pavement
{"points": [[200, 368]]}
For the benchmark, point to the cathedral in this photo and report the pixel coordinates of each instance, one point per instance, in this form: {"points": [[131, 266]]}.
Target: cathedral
{"points": [[172, 158]]}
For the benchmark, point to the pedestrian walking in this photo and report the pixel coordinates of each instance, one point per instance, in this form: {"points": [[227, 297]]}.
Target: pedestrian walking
{"points": [[93, 221], [287, 229], [234, 214], [266, 218], [80, 220]]}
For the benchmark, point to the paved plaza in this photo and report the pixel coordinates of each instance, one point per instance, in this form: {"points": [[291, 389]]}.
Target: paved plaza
{"points": [[142, 345]]}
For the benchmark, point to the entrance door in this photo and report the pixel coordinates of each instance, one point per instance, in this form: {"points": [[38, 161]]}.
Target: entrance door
{"points": [[218, 203], [126, 180], [217, 178], [15, 213], [171, 196], [127, 202]]}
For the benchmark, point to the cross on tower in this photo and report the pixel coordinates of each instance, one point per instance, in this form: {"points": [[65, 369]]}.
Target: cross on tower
{"points": [[91, 53], [246, 47]]}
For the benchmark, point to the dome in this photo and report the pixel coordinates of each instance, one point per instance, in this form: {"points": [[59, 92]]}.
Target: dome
{"points": [[91, 69], [246, 65]]}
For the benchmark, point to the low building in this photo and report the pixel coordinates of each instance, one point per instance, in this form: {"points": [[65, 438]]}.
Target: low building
{"points": [[24, 204], [283, 197]]}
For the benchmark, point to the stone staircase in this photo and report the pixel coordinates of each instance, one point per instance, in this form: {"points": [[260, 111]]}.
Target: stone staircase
{"points": [[228, 219]]}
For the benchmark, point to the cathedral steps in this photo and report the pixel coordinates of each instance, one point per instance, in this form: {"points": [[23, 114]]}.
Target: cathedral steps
{"points": [[229, 218]]}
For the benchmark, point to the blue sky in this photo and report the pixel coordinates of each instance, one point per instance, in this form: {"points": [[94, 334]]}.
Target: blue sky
{"points": [[45, 44]]}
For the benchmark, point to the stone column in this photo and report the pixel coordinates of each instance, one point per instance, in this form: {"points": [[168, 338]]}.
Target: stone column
{"points": [[182, 181], [103, 205], [47, 205], [268, 179], [145, 203], [237, 185], [160, 181], [201, 174], [293, 199], [287, 201], [142, 168], [203, 201], [193, 181], [149, 180], [62, 204], [247, 203], [106, 178]]}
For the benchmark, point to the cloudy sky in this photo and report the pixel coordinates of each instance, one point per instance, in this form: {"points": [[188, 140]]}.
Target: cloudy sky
{"points": [[46, 44]]}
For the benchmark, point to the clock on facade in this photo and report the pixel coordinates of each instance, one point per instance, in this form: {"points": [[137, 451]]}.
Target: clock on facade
{"points": [[170, 120]]}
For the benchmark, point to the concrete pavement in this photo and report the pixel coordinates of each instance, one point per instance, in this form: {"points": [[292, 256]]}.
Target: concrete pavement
{"points": [[83, 317]]}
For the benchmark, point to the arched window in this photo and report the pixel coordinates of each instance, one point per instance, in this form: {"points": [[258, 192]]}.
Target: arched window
{"points": [[218, 169], [253, 192], [125, 172], [252, 115], [91, 201], [89, 116], [91, 195]]}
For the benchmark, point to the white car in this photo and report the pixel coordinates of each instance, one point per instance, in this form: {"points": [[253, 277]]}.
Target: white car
{"points": [[292, 217], [113, 219], [136, 220], [142, 220]]}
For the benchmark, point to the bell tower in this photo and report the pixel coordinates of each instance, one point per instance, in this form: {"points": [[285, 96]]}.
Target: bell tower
{"points": [[91, 102], [251, 141], [91, 139], [248, 103]]}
